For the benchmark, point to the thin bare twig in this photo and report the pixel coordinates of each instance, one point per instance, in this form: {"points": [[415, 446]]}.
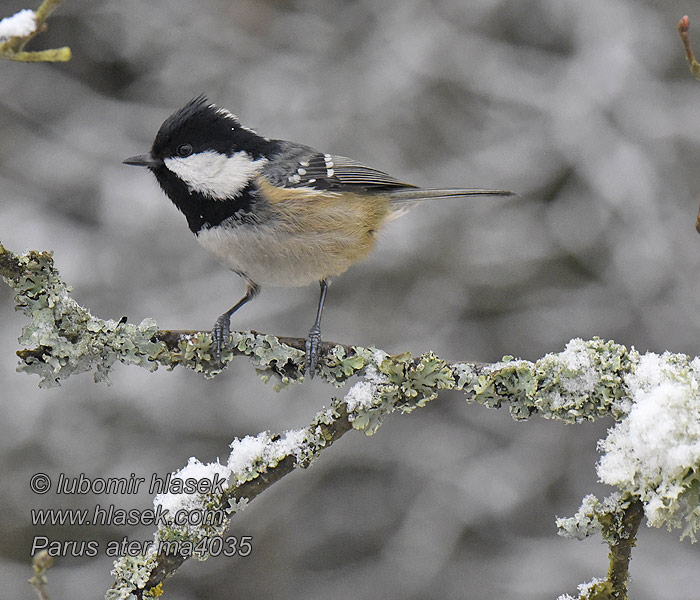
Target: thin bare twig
{"points": [[683, 27]]}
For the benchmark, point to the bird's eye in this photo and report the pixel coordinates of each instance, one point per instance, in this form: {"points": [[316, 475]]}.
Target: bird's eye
{"points": [[184, 149]]}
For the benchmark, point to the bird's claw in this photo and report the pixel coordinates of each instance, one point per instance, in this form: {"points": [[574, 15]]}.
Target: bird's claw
{"points": [[220, 335], [313, 347]]}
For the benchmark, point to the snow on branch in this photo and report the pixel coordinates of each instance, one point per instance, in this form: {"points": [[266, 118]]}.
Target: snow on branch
{"points": [[651, 454], [17, 30], [21, 24]]}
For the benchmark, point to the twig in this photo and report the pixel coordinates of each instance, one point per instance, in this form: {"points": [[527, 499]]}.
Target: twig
{"points": [[13, 49], [617, 518], [621, 538], [41, 563], [683, 27]]}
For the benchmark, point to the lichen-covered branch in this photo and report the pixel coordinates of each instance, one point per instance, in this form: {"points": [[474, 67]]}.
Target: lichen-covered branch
{"points": [[255, 464], [621, 536], [617, 518], [651, 454], [18, 30]]}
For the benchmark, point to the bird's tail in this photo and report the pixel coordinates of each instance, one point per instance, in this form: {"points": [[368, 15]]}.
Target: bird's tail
{"points": [[414, 194]]}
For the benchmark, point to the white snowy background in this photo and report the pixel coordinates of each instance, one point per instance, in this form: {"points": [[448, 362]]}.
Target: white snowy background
{"points": [[586, 109]]}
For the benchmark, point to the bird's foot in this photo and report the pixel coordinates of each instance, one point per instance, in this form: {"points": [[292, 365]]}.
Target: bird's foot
{"points": [[220, 335], [313, 347]]}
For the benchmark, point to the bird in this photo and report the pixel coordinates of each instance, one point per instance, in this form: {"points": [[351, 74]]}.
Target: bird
{"points": [[275, 212]]}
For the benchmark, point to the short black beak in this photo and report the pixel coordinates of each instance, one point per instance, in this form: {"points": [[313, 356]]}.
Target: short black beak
{"points": [[143, 160]]}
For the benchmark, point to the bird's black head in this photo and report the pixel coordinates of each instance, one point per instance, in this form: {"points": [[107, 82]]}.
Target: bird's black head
{"points": [[206, 161], [201, 126]]}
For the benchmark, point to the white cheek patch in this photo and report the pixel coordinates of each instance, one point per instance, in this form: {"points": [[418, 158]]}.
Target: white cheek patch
{"points": [[216, 175]]}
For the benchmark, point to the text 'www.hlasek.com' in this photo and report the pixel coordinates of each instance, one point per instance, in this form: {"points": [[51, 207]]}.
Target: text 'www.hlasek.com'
{"points": [[108, 516]]}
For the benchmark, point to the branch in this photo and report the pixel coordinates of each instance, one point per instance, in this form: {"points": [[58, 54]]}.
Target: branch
{"points": [[621, 536], [617, 518], [651, 455], [66, 339], [267, 459], [13, 48]]}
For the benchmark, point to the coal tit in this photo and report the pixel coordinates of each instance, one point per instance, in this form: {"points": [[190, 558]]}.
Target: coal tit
{"points": [[275, 212]]}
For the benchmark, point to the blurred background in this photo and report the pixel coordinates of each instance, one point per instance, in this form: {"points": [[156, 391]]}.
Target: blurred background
{"points": [[586, 109]]}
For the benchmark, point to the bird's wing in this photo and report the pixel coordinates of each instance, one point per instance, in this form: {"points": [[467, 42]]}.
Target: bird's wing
{"points": [[328, 172], [349, 172], [302, 167]]}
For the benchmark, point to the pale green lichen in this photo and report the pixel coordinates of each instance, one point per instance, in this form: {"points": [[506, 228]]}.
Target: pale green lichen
{"points": [[194, 351], [395, 383], [596, 589], [411, 384], [588, 380], [269, 356], [617, 519], [466, 376], [188, 519], [67, 338], [511, 381], [581, 383], [132, 574], [584, 523], [209, 521], [253, 456], [594, 516], [337, 366], [235, 505]]}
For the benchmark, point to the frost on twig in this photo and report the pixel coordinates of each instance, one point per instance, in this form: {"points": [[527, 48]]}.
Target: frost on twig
{"points": [[651, 454], [17, 30]]}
